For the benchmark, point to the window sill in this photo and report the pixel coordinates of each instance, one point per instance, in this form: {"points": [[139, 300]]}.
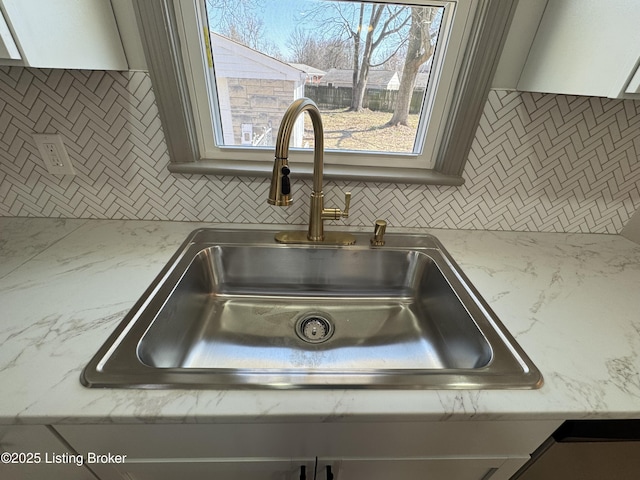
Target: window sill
{"points": [[331, 172]]}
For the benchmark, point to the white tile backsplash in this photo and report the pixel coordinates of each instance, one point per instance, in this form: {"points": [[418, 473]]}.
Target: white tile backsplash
{"points": [[539, 162]]}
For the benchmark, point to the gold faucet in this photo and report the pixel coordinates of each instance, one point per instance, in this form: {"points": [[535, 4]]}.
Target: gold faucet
{"points": [[280, 191]]}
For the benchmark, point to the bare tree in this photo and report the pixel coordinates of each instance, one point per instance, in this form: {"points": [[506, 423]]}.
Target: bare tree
{"points": [[376, 32], [240, 21], [420, 48], [336, 54], [320, 53], [384, 21], [303, 47], [225, 14]]}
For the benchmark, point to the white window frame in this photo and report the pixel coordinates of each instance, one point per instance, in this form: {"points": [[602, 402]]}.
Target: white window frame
{"points": [[192, 23], [475, 39]]}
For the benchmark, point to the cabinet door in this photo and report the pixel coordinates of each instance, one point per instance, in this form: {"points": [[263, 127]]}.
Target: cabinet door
{"points": [[461, 468], [230, 469], [355, 451], [584, 47], [34, 453], [429, 469], [8, 47], [66, 33], [345, 469]]}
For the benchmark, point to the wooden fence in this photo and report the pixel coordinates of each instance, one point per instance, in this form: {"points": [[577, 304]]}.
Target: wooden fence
{"points": [[330, 98]]}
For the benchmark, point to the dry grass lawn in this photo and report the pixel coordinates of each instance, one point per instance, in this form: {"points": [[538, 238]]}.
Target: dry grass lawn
{"points": [[364, 131]]}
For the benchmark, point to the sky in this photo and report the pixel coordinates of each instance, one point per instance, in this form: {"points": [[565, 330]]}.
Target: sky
{"points": [[280, 18]]}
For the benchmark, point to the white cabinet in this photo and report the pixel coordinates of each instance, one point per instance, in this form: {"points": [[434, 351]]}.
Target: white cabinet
{"points": [[367, 468], [8, 48], [586, 47], [353, 450], [461, 468], [34, 452], [228, 469], [79, 34]]}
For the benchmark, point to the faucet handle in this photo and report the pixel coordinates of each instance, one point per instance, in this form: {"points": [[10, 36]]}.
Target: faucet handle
{"points": [[336, 213], [347, 202]]}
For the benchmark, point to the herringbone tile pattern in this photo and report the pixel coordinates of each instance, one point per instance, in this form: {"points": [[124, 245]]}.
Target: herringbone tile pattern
{"points": [[538, 163]]}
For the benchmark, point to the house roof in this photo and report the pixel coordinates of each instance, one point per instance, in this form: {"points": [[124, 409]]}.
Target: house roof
{"points": [[235, 60], [423, 75], [344, 78], [308, 69], [421, 80]]}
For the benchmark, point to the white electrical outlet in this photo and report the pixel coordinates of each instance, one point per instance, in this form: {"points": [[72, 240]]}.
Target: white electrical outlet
{"points": [[54, 154]]}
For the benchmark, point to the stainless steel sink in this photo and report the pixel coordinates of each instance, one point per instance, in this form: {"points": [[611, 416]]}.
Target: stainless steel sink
{"points": [[234, 309]]}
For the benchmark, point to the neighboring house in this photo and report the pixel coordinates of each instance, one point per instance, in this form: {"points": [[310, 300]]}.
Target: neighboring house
{"points": [[423, 75], [254, 90], [313, 75], [377, 80], [421, 81]]}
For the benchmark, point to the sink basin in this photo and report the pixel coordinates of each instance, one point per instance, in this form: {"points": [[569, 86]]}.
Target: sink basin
{"points": [[234, 309], [247, 307]]}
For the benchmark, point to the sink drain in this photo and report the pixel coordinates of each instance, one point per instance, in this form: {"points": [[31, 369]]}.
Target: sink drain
{"points": [[314, 328]]}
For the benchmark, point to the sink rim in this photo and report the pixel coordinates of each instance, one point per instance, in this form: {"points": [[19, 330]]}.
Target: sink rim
{"points": [[117, 364]]}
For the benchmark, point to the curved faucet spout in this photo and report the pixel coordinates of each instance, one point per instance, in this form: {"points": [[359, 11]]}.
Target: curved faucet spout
{"points": [[280, 192], [285, 131], [278, 196]]}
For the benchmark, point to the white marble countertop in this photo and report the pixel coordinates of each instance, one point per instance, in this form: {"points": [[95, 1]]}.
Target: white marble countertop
{"points": [[572, 301]]}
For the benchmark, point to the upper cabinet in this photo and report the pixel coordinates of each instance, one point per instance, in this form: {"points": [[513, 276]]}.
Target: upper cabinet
{"points": [[585, 47], [8, 47], [75, 34]]}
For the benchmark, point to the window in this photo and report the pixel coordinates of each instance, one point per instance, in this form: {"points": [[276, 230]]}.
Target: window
{"points": [[229, 138], [370, 96]]}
